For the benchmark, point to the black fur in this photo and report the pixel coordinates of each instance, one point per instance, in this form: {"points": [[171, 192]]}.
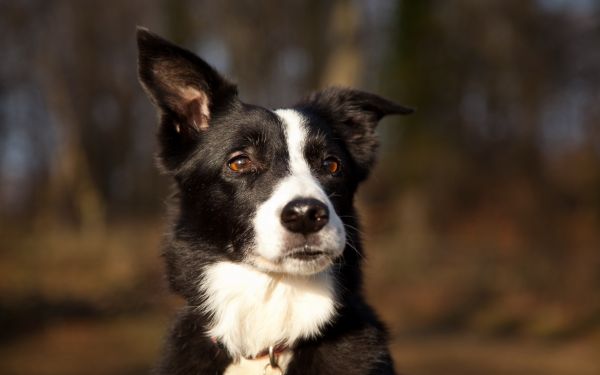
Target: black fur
{"points": [[214, 204]]}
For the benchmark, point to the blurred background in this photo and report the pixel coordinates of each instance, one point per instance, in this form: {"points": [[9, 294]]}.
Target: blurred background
{"points": [[482, 220]]}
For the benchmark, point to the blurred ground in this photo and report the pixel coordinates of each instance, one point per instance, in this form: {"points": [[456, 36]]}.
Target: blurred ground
{"points": [[130, 346], [468, 356], [98, 303]]}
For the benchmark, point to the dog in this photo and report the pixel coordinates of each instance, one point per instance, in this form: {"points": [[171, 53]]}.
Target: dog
{"points": [[264, 245]]}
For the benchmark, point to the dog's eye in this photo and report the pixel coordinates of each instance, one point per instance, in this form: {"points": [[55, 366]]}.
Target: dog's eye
{"points": [[240, 164], [332, 165]]}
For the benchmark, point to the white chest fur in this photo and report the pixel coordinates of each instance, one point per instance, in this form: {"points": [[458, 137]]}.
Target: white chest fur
{"points": [[252, 310]]}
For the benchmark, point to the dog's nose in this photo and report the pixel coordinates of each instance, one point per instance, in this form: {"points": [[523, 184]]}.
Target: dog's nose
{"points": [[305, 215]]}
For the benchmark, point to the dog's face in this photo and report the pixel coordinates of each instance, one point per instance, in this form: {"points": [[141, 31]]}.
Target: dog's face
{"points": [[272, 189]]}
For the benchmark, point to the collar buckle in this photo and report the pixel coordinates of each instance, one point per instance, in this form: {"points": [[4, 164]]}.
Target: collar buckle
{"points": [[273, 367]]}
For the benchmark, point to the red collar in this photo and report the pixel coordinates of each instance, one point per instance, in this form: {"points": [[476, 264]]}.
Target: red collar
{"points": [[277, 350]]}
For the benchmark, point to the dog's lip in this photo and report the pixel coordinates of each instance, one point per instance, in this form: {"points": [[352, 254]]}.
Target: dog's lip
{"points": [[306, 253]]}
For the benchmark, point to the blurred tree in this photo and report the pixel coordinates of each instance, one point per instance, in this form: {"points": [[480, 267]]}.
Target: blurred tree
{"points": [[343, 63], [494, 82]]}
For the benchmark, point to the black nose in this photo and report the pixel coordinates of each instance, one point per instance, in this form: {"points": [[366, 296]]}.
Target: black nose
{"points": [[305, 216]]}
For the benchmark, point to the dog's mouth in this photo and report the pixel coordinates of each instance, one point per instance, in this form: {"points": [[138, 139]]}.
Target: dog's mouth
{"points": [[306, 253], [302, 260], [299, 256]]}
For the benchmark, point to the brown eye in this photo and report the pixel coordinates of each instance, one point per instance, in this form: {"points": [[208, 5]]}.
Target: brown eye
{"points": [[240, 163], [332, 165]]}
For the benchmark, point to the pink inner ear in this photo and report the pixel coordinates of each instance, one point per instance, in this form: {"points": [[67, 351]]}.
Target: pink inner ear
{"points": [[196, 108]]}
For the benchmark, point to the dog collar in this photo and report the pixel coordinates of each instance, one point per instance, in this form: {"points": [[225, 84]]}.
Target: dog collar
{"points": [[273, 352]]}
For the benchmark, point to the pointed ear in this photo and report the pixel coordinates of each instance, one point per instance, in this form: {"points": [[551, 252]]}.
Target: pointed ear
{"points": [[354, 115], [186, 90]]}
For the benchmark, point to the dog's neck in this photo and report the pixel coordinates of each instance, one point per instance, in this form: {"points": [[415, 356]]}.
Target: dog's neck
{"points": [[251, 310]]}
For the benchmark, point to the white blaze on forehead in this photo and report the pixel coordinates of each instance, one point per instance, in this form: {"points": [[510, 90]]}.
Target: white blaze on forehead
{"points": [[300, 183], [295, 134]]}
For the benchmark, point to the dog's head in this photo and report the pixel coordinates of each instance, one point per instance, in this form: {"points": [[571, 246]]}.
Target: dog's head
{"points": [[272, 189]]}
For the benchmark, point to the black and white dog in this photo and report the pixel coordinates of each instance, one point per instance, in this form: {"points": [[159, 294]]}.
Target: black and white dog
{"points": [[264, 246]]}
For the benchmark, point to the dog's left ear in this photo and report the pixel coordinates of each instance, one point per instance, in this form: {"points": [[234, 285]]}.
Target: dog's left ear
{"points": [[178, 80], [354, 115]]}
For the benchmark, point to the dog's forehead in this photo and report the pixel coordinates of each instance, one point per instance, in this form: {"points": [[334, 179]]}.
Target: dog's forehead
{"points": [[267, 130], [244, 125], [293, 123], [302, 126]]}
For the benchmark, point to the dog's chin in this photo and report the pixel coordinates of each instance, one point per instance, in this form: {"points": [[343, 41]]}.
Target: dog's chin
{"points": [[299, 263]]}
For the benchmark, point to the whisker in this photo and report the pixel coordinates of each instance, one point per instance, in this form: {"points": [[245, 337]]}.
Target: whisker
{"points": [[355, 229], [351, 245]]}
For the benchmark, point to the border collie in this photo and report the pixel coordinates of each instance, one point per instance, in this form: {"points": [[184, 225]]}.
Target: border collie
{"points": [[264, 246]]}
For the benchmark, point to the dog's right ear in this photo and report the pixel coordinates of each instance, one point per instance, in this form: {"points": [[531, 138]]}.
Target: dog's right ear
{"points": [[354, 115], [187, 91]]}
